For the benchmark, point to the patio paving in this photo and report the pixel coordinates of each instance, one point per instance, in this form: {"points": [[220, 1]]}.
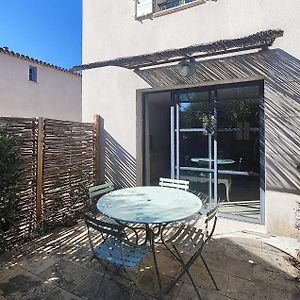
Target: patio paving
{"points": [[244, 264]]}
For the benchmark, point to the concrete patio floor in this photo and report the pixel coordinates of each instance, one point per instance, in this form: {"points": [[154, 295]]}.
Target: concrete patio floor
{"points": [[245, 264]]}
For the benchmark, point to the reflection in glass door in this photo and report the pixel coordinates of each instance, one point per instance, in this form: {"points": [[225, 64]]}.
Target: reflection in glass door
{"points": [[194, 144], [216, 145]]}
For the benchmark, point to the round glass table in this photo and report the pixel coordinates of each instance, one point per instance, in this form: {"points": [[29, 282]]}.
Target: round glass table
{"points": [[149, 205]]}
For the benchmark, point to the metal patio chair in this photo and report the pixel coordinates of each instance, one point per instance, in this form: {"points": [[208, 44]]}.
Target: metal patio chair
{"points": [[192, 240], [101, 189], [174, 183], [115, 249], [94, 193], [181, 185]]}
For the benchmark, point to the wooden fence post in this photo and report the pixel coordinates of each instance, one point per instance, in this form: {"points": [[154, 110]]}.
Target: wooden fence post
{"points": [[97, 148], [39, 179]]}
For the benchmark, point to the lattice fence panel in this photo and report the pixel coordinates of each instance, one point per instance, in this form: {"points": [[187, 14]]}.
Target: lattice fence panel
{"points": [[68, 170], [25, 216]]}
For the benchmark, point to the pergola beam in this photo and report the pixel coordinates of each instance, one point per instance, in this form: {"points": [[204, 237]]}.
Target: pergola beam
{"points": [[258, 40]]}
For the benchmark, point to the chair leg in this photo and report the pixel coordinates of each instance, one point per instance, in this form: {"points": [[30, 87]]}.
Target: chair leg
{"points": [[131, 278], [188, 272], [135, 282], [110, 273], [183, 271], [212, 278], [151, 239]]}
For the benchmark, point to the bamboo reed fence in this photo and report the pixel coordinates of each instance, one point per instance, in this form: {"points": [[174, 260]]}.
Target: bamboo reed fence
{"points": [[25, 216], [59, 164]]}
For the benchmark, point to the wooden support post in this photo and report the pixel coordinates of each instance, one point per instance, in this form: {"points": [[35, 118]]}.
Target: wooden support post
{"points": [[39, 179], [97, 148]]}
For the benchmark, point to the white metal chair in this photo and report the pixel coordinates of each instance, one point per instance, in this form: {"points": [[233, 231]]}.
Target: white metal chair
{"points": [[226, 180], [174, 183], [114, 248], [191, 239]]}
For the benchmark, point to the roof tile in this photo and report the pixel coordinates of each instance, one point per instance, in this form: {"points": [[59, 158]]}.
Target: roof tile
{"points": [[5, 50]]}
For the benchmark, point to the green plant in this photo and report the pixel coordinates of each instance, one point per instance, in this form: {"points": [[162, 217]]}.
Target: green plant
{"points": [[66, 213], [10, 167], [52, 215]]}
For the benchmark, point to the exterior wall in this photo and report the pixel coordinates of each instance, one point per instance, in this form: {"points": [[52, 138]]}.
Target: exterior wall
{"points": [[111, 92], [281, 74], [56, 94], [211, 21]]}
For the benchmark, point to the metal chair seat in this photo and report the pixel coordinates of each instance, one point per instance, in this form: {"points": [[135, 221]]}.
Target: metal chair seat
{"points": [[120, 252], [114, 249]]}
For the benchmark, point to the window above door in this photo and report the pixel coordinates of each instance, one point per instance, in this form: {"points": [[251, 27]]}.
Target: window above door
{"points": [[146, 9]]}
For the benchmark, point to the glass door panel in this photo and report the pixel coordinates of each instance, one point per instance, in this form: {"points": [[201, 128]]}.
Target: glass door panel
{"points": [[239, 154], [200, 184], [239, 150], [239, 195], [195, 108], [217, 146], [194, 146]]}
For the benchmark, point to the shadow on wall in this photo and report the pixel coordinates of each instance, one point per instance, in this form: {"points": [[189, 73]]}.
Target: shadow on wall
{"points": [[282, 102], [281, 105], [119, 165]]}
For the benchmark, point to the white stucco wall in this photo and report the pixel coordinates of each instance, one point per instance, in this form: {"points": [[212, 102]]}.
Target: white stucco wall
{"points": [[56, 94], [109, 28], [110, 31]]}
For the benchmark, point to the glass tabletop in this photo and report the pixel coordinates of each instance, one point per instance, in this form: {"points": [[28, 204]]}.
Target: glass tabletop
{"points": [[149, 205], [220, 161]]}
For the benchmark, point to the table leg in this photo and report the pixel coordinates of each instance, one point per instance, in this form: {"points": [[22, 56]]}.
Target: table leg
{"points": [[150, 234]]}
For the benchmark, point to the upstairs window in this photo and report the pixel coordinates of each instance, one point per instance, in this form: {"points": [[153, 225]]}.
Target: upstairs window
{"points": [[162, 5], [146, 8], [32, 74]]}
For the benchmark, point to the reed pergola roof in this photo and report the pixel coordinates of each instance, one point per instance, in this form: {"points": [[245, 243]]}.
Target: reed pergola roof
{"points": [[258, 40]]}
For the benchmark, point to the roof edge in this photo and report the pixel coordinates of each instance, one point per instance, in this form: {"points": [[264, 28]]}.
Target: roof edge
{"points": [[7, 51]]}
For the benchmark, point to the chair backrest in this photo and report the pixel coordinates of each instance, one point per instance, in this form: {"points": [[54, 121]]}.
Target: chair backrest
{"points": [[174, 183], [203, 197], [100, 189], [211, 218], [105, 228]]}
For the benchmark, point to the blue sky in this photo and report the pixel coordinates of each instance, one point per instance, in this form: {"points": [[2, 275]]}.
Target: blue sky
{"points": [[49, 30]]}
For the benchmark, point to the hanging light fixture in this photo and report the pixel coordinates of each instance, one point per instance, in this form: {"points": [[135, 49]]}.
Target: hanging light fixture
{"points": [[186, 67]]}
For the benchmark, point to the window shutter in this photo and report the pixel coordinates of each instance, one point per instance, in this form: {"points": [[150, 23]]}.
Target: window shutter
{"points": [[144, 8]]}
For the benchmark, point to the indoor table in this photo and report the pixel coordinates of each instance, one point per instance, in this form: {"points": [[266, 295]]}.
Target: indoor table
{"points": [[205, 160]]}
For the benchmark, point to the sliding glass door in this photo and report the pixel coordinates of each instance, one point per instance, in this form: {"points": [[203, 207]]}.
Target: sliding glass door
{"points": [[216, 145], [194, 143]]}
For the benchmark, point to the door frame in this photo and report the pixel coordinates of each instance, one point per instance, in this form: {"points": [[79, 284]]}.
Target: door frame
{"points": [[140, 130]]}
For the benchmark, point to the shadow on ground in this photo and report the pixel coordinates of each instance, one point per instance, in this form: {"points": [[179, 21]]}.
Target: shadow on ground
{"points": [[58, 266]]}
